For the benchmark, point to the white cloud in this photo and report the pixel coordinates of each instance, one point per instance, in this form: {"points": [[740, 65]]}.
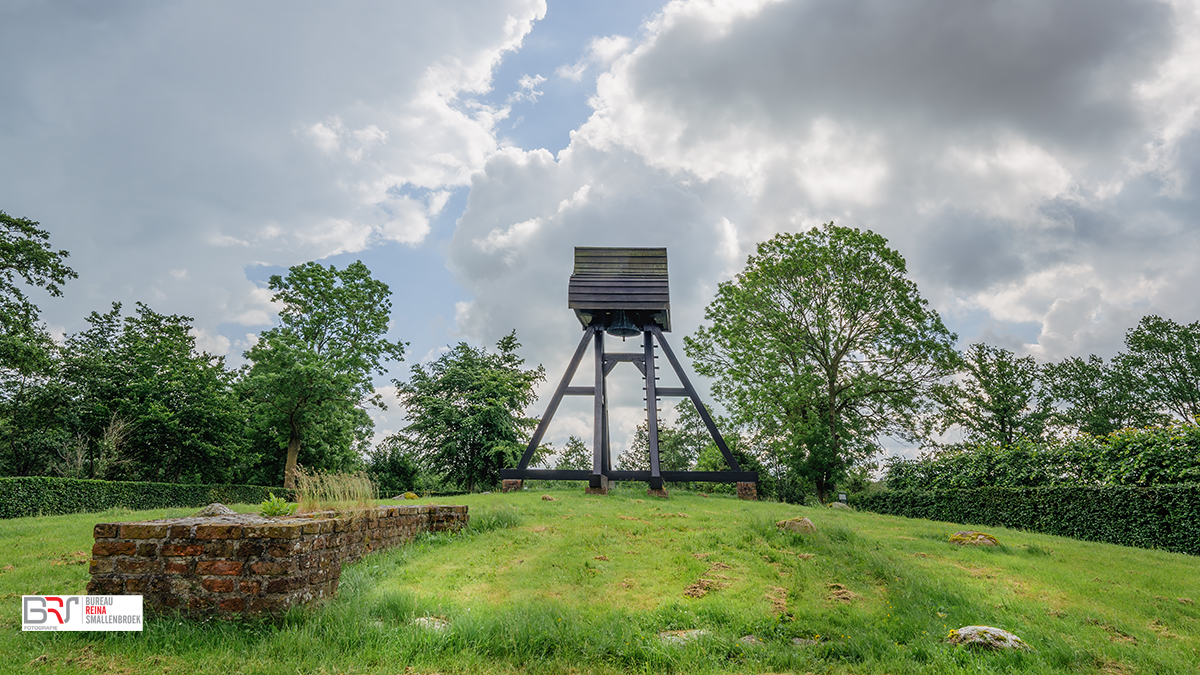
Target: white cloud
{"points": [[600, 53], [995, 146]]}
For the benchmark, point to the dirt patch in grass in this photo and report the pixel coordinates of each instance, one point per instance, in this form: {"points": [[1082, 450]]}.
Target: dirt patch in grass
{"points": [[778, 599], [839, 593], [76, 558], [702, 587]]}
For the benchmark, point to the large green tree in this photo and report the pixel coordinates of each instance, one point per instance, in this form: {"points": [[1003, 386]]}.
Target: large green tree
{"points": [[26, 256], [821, 345], [1163, 360], [465, 412], [145, 403], [1098, 398], [30, 395], [999, 398], [311, 376]]}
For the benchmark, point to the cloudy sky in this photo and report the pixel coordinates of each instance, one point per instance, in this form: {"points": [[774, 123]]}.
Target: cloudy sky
{"points": [[1034, 161]]}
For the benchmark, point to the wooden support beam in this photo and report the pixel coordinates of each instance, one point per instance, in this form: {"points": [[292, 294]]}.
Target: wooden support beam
{"points": [[651, 409], [691, 391], [536, 439], [597, 479]]}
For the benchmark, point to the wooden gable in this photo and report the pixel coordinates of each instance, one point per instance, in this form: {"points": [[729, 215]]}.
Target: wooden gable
{"points": [[633, 280]]}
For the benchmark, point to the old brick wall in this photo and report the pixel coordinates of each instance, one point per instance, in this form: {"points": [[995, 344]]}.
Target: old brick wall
{"points": [[242, 565]]}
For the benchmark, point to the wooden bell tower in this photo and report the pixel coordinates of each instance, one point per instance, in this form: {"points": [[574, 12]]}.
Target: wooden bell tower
{"points": [[624, 292]]}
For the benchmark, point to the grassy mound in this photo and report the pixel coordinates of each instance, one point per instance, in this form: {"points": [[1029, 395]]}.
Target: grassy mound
{"points": [[610, 584]]}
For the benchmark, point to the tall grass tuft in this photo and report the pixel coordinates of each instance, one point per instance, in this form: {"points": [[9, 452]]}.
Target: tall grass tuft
{"points": [[494, 518], [317, 491]]}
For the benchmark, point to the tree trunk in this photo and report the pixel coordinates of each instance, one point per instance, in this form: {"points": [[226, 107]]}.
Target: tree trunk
{"points": [[289, 470]]}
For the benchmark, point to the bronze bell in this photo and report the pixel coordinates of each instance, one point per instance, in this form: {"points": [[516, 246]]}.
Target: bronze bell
{"points": [[621, 326]]}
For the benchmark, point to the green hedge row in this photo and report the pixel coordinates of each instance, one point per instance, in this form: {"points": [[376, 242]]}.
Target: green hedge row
{"points": [[1166, 517], [44, 496]]}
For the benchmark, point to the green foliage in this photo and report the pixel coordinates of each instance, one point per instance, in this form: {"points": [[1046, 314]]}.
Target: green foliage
{"points": [[127, 398], [25, 254], [465, 412], [679, 444], [276, 506], [1166, 517], [820, 345], [394, 469], [1000, 399], [302, 410], [311, 375], [1168, 455], [1098, 398], [142, 393], [1164, 362], [575, 455], [711, 459], [41, 495]]}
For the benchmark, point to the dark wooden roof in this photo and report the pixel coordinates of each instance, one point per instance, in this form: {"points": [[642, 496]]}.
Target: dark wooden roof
{"points": [[630, 279]]}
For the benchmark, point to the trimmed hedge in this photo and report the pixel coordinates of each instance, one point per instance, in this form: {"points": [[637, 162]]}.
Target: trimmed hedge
{"points": [[1165, 517], [44, 496]]}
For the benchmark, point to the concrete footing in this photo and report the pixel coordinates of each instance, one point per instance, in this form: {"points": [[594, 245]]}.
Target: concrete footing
{"points": [[511, 485]]}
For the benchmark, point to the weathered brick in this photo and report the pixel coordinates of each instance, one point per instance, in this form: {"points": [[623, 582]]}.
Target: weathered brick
{"points": [[218, 531], [100, 566], [113, 585], [182, 549], [250, 586], [147, 549], [282, 550], [269, 568], [235, 604], [180, 531], [199, 602], [136, 585], [217, 584], [176, 567], [105, 530], [221, 548], [143, 530], [284, 531], [219, 567], [268, 605], [249, 549], [103, 548], [281, 584], [138, 565]]}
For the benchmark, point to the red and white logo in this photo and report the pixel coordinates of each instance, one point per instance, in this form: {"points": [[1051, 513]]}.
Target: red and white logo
{"points": [[81, 612]]}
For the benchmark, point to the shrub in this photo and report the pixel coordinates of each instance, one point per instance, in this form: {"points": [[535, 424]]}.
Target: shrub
{"points": [[46, 496], [276, 506], [1166, 455], [1166, 517]]}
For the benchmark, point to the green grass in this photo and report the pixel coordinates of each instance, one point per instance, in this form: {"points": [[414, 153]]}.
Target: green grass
{"points": [[585, 584]]}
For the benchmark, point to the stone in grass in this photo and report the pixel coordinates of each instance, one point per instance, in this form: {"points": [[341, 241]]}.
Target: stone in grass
{"points": [[986, 637], [548, 498], [679, 637], [840, 505], [973, 538], [799, 525], [750, 640], [805, 642], [431, 623], [216, 509]]}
